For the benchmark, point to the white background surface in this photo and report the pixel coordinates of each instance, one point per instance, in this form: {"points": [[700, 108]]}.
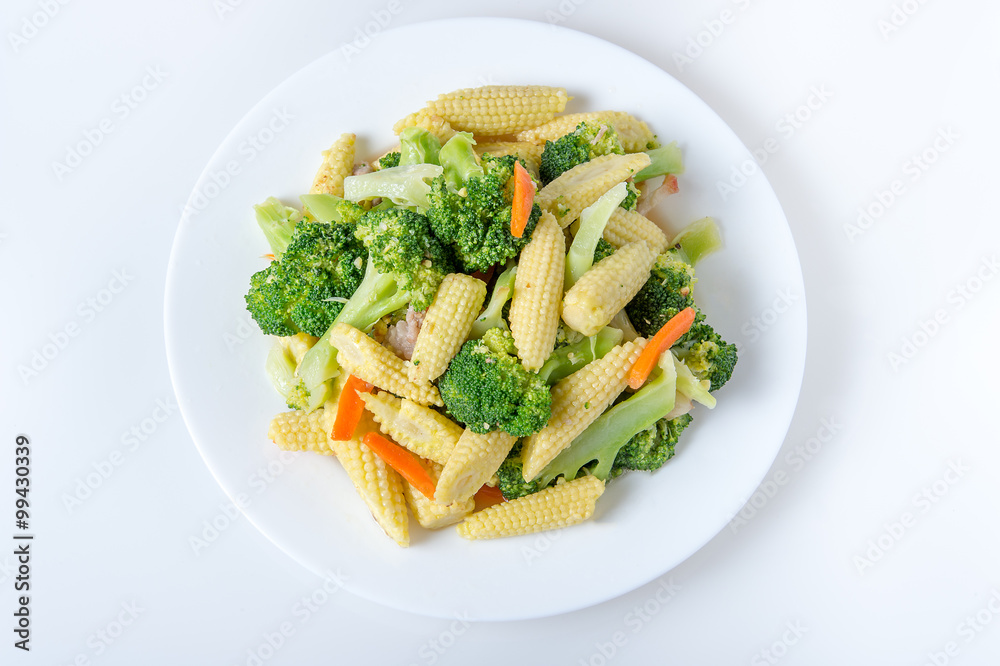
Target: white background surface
{"points": [[795, 562]]}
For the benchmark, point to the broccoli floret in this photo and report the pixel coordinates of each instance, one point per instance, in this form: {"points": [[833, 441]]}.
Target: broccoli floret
{"points": [[389, 160], [603, 250], [500, 341], [489, 391], [512, 483], [650, 448], [306, 289], [707, 355], [400, 242], [667, 292], [597, 447], [579, 146], [630, 200], [493, 315], [475, 219]]}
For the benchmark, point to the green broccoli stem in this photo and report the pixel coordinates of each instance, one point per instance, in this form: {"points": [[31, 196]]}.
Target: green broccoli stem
{"points": [[698, 239], [277, 221], [403, 185], [663, 160], [602, 440], [280, 369], [459, 160], [324, 207], [492, 316], [418, 146], [376, 296], [593, 219], [691, 387], [567, 360]]}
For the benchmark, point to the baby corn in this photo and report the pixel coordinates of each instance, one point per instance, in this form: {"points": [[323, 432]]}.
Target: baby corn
{"points": [[634, 134], [498, 110], [368, 360], [300, 431], [446, 326], [577, 401], [561, 505], [567, 196], [338, 162], [473, 462], [534, 310], [627, 226], [425, 432], [603, 291]]}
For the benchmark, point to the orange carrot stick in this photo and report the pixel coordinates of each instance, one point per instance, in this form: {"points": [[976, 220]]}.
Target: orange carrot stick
{"points": [[403, 461], [524, 196], [668, 334], [350, 408], [489, 495]]}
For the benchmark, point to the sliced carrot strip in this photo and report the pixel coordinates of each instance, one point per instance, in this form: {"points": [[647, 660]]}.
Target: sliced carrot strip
{"points": [[524, 197], [350, 407], [403, 461], [668, 334]]}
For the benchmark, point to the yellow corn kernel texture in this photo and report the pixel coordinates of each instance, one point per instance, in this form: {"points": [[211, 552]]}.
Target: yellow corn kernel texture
{"points": [[499, 110], [531, 153], [446, 326], [366, 359], [472, 463], [561, 505], [430, 514], [567, 196], [431, 122], [300, 431], [378, 484], [538, 283], [577, 401], [628, 226], [425, 432], [634, 134], [603, 291], [338, 162]]}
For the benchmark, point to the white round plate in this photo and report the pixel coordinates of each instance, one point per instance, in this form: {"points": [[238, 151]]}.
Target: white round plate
{"points": [[645, 524]]}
